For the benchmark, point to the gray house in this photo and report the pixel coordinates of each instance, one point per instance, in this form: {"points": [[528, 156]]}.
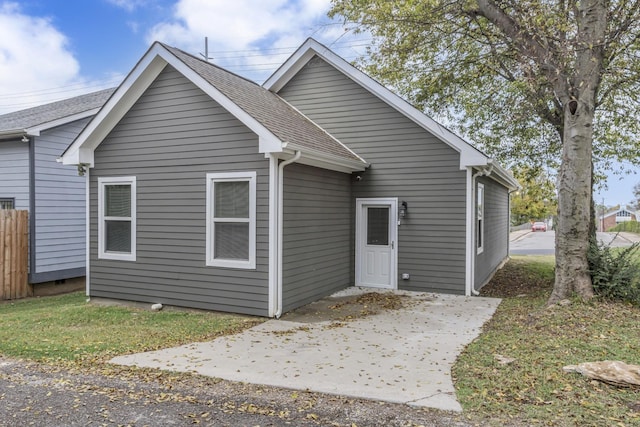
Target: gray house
{"points": [[30, 179], [210, 191]]}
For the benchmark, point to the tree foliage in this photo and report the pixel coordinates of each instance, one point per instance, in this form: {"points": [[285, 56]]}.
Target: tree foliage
{"points": [[536, 200], [449, 60], [636, 195], [534, 81]]}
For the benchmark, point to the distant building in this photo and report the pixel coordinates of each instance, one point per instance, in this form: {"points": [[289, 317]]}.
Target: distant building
{"points": [[615, 217]]}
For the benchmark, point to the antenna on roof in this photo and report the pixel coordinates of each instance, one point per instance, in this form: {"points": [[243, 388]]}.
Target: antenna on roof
{"points": [[205, 55]]}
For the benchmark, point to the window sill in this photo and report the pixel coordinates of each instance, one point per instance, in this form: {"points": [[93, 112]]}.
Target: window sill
{"points": [[243, 265], [117, 256]]}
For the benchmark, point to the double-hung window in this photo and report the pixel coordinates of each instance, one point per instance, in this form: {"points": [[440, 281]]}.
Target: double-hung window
{"points": [[117, 218], [480, 218], [231, 220]]}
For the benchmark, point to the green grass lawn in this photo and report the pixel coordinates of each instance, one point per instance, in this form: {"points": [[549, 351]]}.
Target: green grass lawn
{"points": [[534, 389], [68, 329]]}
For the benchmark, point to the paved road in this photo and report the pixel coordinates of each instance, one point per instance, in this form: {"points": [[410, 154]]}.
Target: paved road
{"points": [[543, 243], [538, 243]]}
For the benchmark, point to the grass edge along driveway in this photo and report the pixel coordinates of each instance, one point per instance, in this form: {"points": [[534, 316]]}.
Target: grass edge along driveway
{"points": [[534, 389]]}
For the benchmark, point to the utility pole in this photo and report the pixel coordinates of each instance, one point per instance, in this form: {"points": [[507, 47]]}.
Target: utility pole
{"points": [[205, 55]]}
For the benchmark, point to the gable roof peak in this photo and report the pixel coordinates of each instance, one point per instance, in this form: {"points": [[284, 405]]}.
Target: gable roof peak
{"points": [[276, 122], [469, 155]]}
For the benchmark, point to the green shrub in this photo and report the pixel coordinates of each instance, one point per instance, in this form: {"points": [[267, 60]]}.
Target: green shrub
{"points": [[615, 272], [631, 226]]}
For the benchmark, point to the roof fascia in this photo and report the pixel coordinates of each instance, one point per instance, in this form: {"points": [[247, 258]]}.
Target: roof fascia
{"points": [[505, 177], [35, 130], [81, 151], [469, 156], [137, 81]]}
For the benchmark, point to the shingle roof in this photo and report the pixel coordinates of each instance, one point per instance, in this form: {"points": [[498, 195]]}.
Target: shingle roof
{"points": [[35, 116], [273, 112]]}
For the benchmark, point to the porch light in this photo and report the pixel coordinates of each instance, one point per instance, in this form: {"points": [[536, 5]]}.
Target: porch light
{"points": [[403, 209]]}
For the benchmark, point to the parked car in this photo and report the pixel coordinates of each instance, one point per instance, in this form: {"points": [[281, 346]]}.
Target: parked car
{"points": [[539, 226]]}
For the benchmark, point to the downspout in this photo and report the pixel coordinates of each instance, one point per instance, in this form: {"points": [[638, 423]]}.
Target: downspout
{"points": [[32, 208], [482, 172], [278, 296], [87, 243]]}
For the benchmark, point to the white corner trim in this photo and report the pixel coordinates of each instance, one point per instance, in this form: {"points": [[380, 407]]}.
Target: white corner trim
{"points": [[102, 253], [470, 253], [273, 234]]}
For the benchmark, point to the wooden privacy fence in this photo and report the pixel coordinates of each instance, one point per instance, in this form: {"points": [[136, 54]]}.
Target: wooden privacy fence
{"points": [[14, 254]]}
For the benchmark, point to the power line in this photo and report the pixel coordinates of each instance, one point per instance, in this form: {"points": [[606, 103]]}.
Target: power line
{"points": [[221, 60]]}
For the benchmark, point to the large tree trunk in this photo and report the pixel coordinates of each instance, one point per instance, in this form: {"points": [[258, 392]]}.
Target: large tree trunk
{"points": [[574, 208], [574, 179]]}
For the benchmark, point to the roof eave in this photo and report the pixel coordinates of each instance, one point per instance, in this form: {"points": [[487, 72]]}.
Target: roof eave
{"points": [[35, 130], [323, 160]]}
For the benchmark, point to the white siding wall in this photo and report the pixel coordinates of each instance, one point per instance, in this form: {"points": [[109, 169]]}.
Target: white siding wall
{"points": [[14, 172], [60, 203]]}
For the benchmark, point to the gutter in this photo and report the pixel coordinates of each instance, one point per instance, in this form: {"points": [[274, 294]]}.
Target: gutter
{"points": [[280, 196]]}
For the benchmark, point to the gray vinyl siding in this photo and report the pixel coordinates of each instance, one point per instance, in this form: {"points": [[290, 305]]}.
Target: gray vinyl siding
{"points": [[14, 172], [317, 243], [496, 230], [59, 204], [169, 140], [407, 162]]}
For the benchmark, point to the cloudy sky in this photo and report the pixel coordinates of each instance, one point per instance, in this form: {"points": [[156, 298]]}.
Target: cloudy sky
{"points": [[56, 49]]}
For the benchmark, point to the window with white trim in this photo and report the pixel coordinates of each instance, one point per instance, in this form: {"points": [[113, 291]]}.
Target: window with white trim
{"points": [[117, 218], [231, 220], [480, 218]]}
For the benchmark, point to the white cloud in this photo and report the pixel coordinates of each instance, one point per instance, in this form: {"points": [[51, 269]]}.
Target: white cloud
{"points": [[128, 5], [34, 59], [246, 36]]}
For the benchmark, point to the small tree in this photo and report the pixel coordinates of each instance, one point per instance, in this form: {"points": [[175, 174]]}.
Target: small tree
{"points": [[536, 200]]}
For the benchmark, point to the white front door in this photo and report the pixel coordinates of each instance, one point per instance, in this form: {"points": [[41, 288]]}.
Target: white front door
{"points": [[376, 234]]}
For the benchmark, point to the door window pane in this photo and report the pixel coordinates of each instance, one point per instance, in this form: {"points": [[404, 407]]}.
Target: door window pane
{"points": [[378, 226]]}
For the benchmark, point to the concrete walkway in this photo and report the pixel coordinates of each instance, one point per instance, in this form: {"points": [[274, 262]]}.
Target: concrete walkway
{"points": [[399, 355]]}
